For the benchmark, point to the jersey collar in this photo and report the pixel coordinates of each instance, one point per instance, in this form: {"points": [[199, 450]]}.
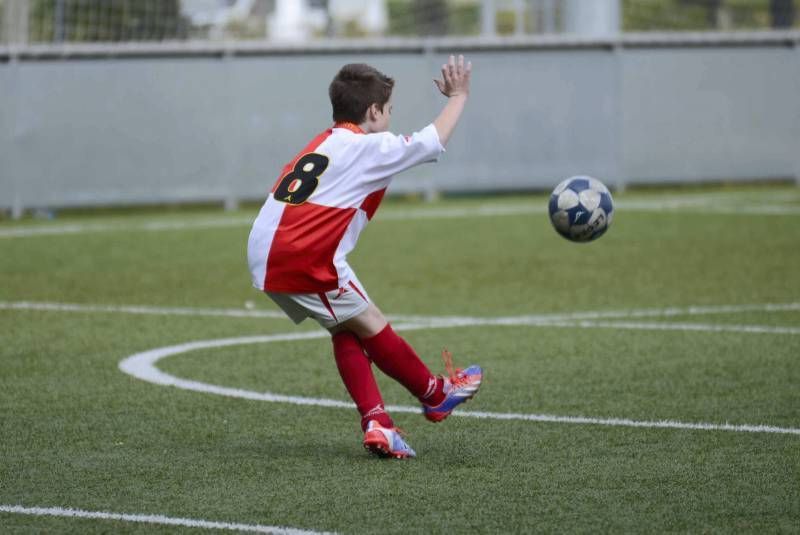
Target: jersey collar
{"points": [[349, 126]]}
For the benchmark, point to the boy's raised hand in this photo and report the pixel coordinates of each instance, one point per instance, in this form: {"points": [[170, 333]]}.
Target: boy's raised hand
{"points": [[455, 77], [455, 86]]}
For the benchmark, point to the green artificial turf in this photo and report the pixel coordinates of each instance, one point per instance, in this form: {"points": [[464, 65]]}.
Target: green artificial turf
{"points": [[76, 432]]}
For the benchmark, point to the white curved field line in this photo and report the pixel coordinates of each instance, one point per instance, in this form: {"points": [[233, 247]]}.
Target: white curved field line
{"points": [[143, 366], [152, 519], [707, 203]]}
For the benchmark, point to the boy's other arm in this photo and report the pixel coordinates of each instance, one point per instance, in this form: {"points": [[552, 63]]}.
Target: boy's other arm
{"points": [[455, 86]]}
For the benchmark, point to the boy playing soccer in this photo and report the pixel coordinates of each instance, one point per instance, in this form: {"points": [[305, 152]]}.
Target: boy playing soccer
{"points": [[312, 218]]}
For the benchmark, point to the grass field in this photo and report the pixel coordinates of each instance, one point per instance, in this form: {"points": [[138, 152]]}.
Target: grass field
{"points": [[686, 312]]}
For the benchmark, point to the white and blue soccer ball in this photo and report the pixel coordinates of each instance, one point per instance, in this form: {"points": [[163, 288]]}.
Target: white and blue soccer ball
{"points": [[581, 208]]}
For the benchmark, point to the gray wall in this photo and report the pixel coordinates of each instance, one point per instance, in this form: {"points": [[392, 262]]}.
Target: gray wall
{"points": [[711, 113], [171, 126]]}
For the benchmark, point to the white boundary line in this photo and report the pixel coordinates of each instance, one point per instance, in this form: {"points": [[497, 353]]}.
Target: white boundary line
{"points": [[155, 226], [143, 366], [555, 319], [152, 519], [583, 319], [140, 309], [664, 326], [707, 203]]}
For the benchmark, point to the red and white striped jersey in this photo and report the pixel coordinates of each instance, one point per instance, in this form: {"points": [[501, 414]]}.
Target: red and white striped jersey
{"points": [[322, 201]]}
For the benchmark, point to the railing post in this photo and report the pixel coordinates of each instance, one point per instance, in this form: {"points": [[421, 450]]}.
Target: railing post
{"points": [[488, 25]]}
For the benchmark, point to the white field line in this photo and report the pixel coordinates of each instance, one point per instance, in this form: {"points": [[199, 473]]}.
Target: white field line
{"points": [[152, 519], [138, 309], [147, 226], [553, 319], [663, 326], [718, 204], [143, 366], [556, 319]]}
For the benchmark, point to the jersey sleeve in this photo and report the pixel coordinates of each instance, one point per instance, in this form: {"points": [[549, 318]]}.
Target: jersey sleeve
{"points": [[389, 154]]}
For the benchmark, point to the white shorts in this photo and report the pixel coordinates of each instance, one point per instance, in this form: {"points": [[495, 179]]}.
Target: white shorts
{"points": [[329, 308]]}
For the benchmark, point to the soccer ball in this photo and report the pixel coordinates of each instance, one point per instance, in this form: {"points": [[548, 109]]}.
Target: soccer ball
{"points": [[581, 208]]}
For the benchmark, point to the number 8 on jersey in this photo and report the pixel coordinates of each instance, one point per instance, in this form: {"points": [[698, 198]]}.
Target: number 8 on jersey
{"points": [[298, 185]]}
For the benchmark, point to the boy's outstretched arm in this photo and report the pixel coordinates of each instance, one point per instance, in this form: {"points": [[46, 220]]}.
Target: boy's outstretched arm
{"points": [[455, 86]]}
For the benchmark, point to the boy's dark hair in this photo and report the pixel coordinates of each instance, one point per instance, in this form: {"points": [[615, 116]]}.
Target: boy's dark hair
{"points": [[355, 88]]}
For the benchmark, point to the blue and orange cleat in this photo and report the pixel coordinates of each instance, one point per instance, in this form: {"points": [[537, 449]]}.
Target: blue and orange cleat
{"points": [[386, 442], [460, 386]]}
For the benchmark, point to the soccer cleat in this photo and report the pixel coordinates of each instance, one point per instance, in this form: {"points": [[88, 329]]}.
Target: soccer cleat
{"points": [[386, 442], [460, 386]]}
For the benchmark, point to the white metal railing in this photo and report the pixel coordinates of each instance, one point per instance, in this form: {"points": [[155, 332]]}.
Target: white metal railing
{"points": [[397, 44]]}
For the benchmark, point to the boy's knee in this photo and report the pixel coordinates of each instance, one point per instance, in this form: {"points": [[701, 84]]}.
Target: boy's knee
{"points": [[366, 324]]}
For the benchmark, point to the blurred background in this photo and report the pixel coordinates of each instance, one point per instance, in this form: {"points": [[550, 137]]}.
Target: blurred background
{"points": [[126, 102], [59, 21]]}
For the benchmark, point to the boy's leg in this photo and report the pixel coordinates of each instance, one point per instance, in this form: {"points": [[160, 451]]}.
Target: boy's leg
{"points": [[356, 372], [394, 356], [380, 435]]}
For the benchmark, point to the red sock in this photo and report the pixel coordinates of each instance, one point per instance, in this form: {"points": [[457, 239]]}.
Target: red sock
{"points": [[356, 371], [399, 361]]}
